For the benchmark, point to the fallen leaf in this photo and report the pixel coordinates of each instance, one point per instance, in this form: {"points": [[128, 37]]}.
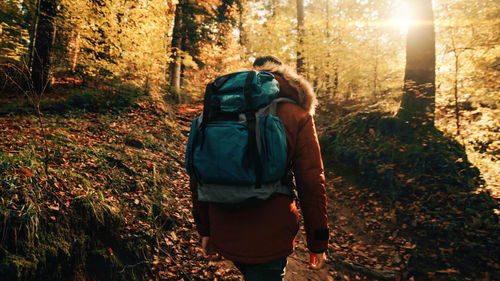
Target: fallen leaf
{"points": [[53, 207], [26, 172], [449, 270]]}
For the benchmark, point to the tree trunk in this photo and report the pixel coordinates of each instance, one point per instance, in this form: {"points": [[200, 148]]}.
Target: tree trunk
{"points": [[455, 82], [77, 51], [43, 44], [33, 35], [176, 50], [241, 28], [328, 55], [456, 54], [375, 70], [455, 91], [418, 101], [300, 36], [272, 4], [336, 82]]}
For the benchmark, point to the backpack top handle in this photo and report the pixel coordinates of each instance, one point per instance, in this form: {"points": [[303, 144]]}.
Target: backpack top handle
{"points": [[247, 91]]}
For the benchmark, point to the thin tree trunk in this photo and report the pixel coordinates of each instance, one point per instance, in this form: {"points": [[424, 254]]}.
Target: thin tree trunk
{"points": [[328, 55], [54, 34], [300, 36], [455, 82], [336, 82], [418, 101], [44, 137], [34, 35], [77, 51], [243, 38], [43, 44], [175, 65], [457, 106], [273, 8], [375, 70]]}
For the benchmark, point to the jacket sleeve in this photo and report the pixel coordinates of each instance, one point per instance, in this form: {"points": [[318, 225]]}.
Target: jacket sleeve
{"points": [[200, 211], [310, 180]]}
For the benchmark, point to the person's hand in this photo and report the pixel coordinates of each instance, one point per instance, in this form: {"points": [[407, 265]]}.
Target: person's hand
{"points": [[316, 261], [208, 252]]}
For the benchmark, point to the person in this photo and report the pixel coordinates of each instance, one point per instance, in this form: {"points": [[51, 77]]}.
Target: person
{"points": [[258, 238]]}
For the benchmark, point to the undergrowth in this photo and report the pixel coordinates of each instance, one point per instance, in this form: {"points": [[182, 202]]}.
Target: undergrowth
{"points": [[102, 202], [438, 195], [62, 100], [396, 158]]}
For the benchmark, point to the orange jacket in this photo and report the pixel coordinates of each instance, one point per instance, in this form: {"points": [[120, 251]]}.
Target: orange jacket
{"points": [[266, 232]]}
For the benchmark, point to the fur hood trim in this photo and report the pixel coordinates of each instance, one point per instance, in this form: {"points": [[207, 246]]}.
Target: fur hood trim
{"points": [[304, 94]]}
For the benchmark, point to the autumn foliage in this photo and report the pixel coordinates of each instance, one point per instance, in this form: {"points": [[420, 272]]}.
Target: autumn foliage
{"points": [[97, 96]]}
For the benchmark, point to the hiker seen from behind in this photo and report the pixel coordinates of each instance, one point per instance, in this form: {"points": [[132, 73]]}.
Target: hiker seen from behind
{"points": [[253, 156]]}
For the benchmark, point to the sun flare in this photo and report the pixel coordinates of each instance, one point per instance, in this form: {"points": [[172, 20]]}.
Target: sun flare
{"points": [[402, 17]]}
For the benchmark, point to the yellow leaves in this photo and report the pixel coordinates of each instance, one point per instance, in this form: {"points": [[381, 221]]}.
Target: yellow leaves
{"points": [[209, 6], [189, 62]]}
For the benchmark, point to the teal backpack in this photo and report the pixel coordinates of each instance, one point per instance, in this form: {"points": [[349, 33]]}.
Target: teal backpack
{"points": [[236, 149]]}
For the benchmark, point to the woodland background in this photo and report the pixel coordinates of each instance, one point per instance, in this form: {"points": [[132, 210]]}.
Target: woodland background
{"points": [[92, 130]]}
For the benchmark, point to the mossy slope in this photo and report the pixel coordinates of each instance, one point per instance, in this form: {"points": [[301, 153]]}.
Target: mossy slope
{"points": [[426, 177], [94, 213]]}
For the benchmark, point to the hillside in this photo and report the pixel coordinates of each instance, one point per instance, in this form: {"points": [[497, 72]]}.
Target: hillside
{"points": [[425, 191]]}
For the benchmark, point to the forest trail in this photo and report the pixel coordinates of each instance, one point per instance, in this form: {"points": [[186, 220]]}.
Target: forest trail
{"points": [[364, 241], [133, 160]]}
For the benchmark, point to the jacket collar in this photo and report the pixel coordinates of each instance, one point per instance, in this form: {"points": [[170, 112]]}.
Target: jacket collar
{"points": [[302, 93]]}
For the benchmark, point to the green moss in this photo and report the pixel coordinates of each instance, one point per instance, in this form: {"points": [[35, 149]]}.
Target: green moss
{"points": [[69, 243], [12, 266], [25, 158], [72, 243], [389, 155]]}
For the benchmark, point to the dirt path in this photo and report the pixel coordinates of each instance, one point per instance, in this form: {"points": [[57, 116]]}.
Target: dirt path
{"points": [[364, 244], [364, 241]]}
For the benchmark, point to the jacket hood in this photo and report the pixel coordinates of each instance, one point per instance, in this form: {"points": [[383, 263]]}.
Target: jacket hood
{"points": [[301, 90]]}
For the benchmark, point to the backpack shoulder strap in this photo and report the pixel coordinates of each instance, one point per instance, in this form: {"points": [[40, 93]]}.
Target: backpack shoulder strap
{"points": [[272, 107], [281, 99]]}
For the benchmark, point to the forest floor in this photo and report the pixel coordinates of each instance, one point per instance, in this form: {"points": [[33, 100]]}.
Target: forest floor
{"points": [[129, 164]]}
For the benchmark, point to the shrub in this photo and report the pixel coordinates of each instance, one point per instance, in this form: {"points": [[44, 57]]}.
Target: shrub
{"points": [[66, 99]]}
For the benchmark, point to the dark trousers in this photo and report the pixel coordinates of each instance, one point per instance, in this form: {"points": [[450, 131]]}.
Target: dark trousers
{"points": [[270, 271]]}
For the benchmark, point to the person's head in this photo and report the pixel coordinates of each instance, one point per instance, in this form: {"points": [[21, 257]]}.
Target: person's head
{"points": [[261, 61], [291, 84]]}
